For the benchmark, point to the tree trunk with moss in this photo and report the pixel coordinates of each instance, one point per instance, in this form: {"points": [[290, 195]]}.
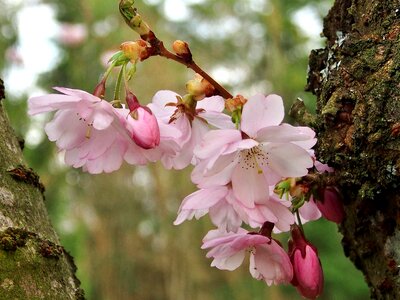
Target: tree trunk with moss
{"points": [[357, 81], [32, 263]]}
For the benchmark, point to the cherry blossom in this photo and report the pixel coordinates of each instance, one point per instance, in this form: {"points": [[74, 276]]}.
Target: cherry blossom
{"points": [[268, 260], [258, 155], [193, 123], [93, 134], [228, 213]]}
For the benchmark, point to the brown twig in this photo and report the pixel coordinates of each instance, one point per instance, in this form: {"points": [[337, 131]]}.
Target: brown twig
{"points": [[133, 19]]}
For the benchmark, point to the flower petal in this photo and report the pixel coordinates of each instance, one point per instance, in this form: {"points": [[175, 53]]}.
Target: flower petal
{"points": [[249, 186], [260, 111], [287, 159]]}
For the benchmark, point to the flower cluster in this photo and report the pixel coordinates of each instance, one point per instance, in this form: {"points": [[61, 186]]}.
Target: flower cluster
{"points": [[255, 175], [238, 168]]}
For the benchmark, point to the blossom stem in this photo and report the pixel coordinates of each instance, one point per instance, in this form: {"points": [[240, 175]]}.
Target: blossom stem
{"points": [[134, 20], [117, 89], [299, 220], [162, 51], [108, 71]]}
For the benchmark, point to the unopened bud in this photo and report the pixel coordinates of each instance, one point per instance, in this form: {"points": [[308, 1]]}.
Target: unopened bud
{"points": [[330, 204], [308, 276], [199, 87], [132, 18], [135, 50], [181, 49], [144, 128]]}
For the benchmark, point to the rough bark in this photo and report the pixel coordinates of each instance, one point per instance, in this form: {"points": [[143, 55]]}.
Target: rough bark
{"points": [[32, 263], [357, 82]]}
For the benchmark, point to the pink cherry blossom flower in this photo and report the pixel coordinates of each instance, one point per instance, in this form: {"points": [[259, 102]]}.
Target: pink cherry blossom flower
{"points": [[86, 127], [268, 261], [258, 155], [228, 213], [72, 34], [192, 125], [308, 276]]}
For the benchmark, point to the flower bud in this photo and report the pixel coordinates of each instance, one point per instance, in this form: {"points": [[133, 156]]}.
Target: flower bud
{"points": [[331, 205], [132, 18], [199, 87], [181, 49], [308, 277], [145, 130], [135, 50]]}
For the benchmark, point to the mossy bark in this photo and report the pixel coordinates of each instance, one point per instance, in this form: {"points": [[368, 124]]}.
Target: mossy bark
{"points": [[32, 263], [357, 82]]}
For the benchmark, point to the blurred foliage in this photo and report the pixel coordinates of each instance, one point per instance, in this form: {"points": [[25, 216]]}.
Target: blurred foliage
{"points": [[119, 226]]}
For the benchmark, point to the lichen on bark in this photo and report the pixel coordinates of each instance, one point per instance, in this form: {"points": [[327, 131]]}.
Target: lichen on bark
{"points": [[356, 79], [32, 263]]}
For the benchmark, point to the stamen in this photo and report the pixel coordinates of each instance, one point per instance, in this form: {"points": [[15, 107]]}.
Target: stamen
{"points": [[254, 158], [88, 131]]}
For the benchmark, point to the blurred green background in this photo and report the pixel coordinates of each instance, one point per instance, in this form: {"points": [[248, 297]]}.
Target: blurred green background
{"points": [[119, 226]]}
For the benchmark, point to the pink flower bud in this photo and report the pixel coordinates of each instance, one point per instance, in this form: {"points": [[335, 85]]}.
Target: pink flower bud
{"points": [[145, 130], [142, 123], [331, 205], [308, 276]]}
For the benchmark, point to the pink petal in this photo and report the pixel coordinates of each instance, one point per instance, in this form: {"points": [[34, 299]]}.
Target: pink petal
{"points": [[221, 173], [218, 119], [66, 137], [287, 159], [204, 198], [224, 216], [309, 211], [229, 263], [284, 133], [260, 111], [185, 156], [46, 103], [160, 99], [103, 115], [249, 186], [214, 140], [83, 95], [213, 103], [271, 264]]}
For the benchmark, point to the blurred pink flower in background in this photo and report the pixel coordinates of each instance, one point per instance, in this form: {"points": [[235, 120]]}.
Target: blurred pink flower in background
{"points": [[72, 34]]}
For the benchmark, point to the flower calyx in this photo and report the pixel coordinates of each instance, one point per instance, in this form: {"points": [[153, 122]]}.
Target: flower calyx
{"points": [[185, 105], [199, 88], [235, 106], [100, 89]]}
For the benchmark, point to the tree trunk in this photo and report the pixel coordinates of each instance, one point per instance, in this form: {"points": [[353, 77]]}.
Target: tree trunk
{"points": [[357, 82], [32, 263]]}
